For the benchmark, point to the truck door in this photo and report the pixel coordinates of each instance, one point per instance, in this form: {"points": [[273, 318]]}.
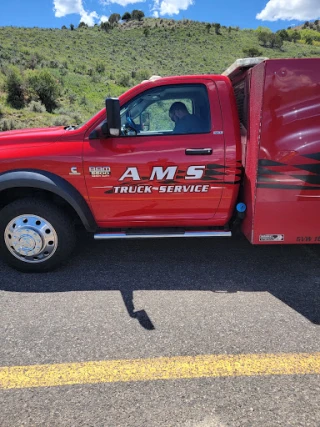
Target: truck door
{"points": [[157, 172]]}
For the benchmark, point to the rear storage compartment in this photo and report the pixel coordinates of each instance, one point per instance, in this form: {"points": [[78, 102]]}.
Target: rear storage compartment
{"points": [[279, 110]]}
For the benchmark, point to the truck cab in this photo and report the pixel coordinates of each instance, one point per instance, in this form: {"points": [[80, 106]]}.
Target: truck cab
{"points": [[152, 175]]}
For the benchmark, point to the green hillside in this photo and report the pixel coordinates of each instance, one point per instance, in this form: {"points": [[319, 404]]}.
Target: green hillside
{"points": [[85, 65]]}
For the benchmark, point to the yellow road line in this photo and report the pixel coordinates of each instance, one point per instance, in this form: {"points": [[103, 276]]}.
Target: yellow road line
{"points": [[162, 368]]}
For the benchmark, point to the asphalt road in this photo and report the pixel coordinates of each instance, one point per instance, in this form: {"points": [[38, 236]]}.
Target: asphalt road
{"points": [[146, 299]]}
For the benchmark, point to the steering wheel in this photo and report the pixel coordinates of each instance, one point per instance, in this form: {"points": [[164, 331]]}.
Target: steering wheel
{"points": [[131, 123]]}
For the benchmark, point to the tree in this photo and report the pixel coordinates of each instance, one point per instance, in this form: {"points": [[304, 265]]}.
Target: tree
{"points": [[105, 26], [264, 37], [45, 86], [15, 88], [137, 15], [71, 27], [126, 16], [277, 41], [64, 27], [261, 29], [251, 52], [296, 36], [114, 18], [284, 35], [217, 27], [309, 40], [82, 25], [208, 28]]}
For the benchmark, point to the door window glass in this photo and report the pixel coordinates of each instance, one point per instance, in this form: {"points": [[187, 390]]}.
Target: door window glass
{"points": [[174, 109]]}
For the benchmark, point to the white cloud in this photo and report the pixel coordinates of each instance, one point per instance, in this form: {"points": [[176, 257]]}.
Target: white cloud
{"points": [[120, 2], [170, 7], [88, 18], [103, 18], [66, 7], [300, 10]]}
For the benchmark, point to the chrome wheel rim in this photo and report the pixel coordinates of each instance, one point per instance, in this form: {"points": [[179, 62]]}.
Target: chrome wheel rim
{"points": [[31, 238]]}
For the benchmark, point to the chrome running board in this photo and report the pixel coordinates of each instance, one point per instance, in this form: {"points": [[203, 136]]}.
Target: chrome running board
{"points": [[137, 235]]}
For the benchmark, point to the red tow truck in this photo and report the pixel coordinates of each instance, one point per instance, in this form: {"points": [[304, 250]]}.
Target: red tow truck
{"points": [[254, 165]]}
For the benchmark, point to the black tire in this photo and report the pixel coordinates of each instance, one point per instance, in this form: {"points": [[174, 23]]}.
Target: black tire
{"points": [[62, 227]]}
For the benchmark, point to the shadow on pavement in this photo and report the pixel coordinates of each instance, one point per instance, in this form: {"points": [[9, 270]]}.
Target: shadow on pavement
{"points": [[290, 273]]}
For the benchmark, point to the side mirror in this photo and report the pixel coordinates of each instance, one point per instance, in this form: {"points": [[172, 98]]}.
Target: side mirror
{"points": [[113, 116]]}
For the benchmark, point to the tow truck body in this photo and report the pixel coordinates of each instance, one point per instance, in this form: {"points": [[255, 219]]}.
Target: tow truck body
{"points": [[126, 174]]}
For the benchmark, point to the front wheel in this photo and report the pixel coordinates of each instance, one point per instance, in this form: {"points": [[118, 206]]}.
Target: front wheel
{"points": [[35, 235]]}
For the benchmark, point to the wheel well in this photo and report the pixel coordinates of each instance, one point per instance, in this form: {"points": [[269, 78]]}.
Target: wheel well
{"points": [[11, 194]]}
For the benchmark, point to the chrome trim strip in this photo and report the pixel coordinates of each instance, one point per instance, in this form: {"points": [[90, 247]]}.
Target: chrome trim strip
{"points": [[106, 236]]}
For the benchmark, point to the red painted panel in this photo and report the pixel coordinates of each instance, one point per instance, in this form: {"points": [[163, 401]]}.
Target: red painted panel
{"points": [[288, 179]]}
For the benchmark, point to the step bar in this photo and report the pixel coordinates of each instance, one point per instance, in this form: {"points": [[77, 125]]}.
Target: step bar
{"points": [[131, 235]]}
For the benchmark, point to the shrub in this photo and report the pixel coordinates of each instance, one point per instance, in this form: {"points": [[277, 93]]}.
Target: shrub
{"points": [[100, 67], [37, 107], [251, 52], [309, 40], [46, 88], [61, 121], [105, 26], [143, 74], [72, 98], [15, 87], [124, 80], [7, 124], [83, 100]]}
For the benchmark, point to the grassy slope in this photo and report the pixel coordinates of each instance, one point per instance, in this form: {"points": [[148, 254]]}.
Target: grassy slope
{"points": [[171, 48]]}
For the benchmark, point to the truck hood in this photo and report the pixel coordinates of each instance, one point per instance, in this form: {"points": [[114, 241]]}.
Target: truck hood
{"points": [[36, 135]]}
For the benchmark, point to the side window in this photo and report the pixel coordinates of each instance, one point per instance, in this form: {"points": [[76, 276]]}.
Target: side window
{"points": [[165, 110], [157, 114]]}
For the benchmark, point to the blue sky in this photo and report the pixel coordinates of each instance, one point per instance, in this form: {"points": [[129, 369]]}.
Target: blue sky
{"points": [[275, 14]]}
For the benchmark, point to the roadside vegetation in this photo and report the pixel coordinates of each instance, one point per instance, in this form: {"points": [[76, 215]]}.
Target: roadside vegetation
{"points": [[62, 76]]}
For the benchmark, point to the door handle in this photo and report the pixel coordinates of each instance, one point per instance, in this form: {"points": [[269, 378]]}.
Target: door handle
{"points": [[198, 151]]}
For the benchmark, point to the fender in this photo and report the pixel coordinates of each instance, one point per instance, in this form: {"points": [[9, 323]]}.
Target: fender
{"points": [[48, 181]]}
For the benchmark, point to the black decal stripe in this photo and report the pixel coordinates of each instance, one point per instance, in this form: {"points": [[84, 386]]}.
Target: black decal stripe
{"points": [[265, 171], [215, 166], [212, 172], [314, 156], [266, 162], [209, 178], [311, 167]]}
